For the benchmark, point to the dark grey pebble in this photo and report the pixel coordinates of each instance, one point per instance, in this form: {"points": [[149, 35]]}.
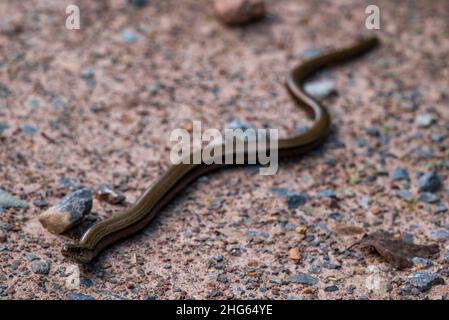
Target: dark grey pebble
{"points": [[303, 278], [40, 267], [40, 203], [78, 296], [332, 288], [294, 200], [428, 197], [399, 174], [31, 256], [86, 282], [429, 182], [328, 265], [327, 193], [372, 131], [424, 280], [67, 183], [337, 216], [107, 194]]}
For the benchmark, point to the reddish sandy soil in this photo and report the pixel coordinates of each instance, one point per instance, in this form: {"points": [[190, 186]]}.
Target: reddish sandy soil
{"points": [[114, 128]]}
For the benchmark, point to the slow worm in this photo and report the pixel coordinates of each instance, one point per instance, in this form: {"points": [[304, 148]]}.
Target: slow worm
{"points": [[178, 177]]}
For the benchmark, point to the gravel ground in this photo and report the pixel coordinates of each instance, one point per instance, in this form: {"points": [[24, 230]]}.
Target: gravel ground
{"points": [[96, 106]]}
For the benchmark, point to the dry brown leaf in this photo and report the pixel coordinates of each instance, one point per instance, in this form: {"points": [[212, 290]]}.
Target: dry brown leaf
{"points": [[396, 251]]}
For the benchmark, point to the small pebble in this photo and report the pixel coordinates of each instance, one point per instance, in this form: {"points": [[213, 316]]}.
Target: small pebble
{"points": [[28, 129], [424, 280], [428, 197], [87, 73], [429, 182], [408, 106], [332, 288], [40, 267], [9, 201], [440, 209], [67, 212], [128, 36], [239, 12], [303, 278], [78, 296], [320, 89], [3, 237], [311, 53], [107, 194], [373, 132], [422, 262], [238, 124], [403, 194], [138, 3], [327, 193], [436, 137], [294, 200], [399, 174], [40, 203], [424, 120], [363, 202]]}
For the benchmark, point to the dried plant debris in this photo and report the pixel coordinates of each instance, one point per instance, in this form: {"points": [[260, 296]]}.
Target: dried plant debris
{"points": [[395, 250]]}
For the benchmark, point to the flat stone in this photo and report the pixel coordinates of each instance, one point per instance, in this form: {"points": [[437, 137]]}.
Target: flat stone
{"points": [[303, 278], [67, 212], [9, 201], [424, 280]]}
